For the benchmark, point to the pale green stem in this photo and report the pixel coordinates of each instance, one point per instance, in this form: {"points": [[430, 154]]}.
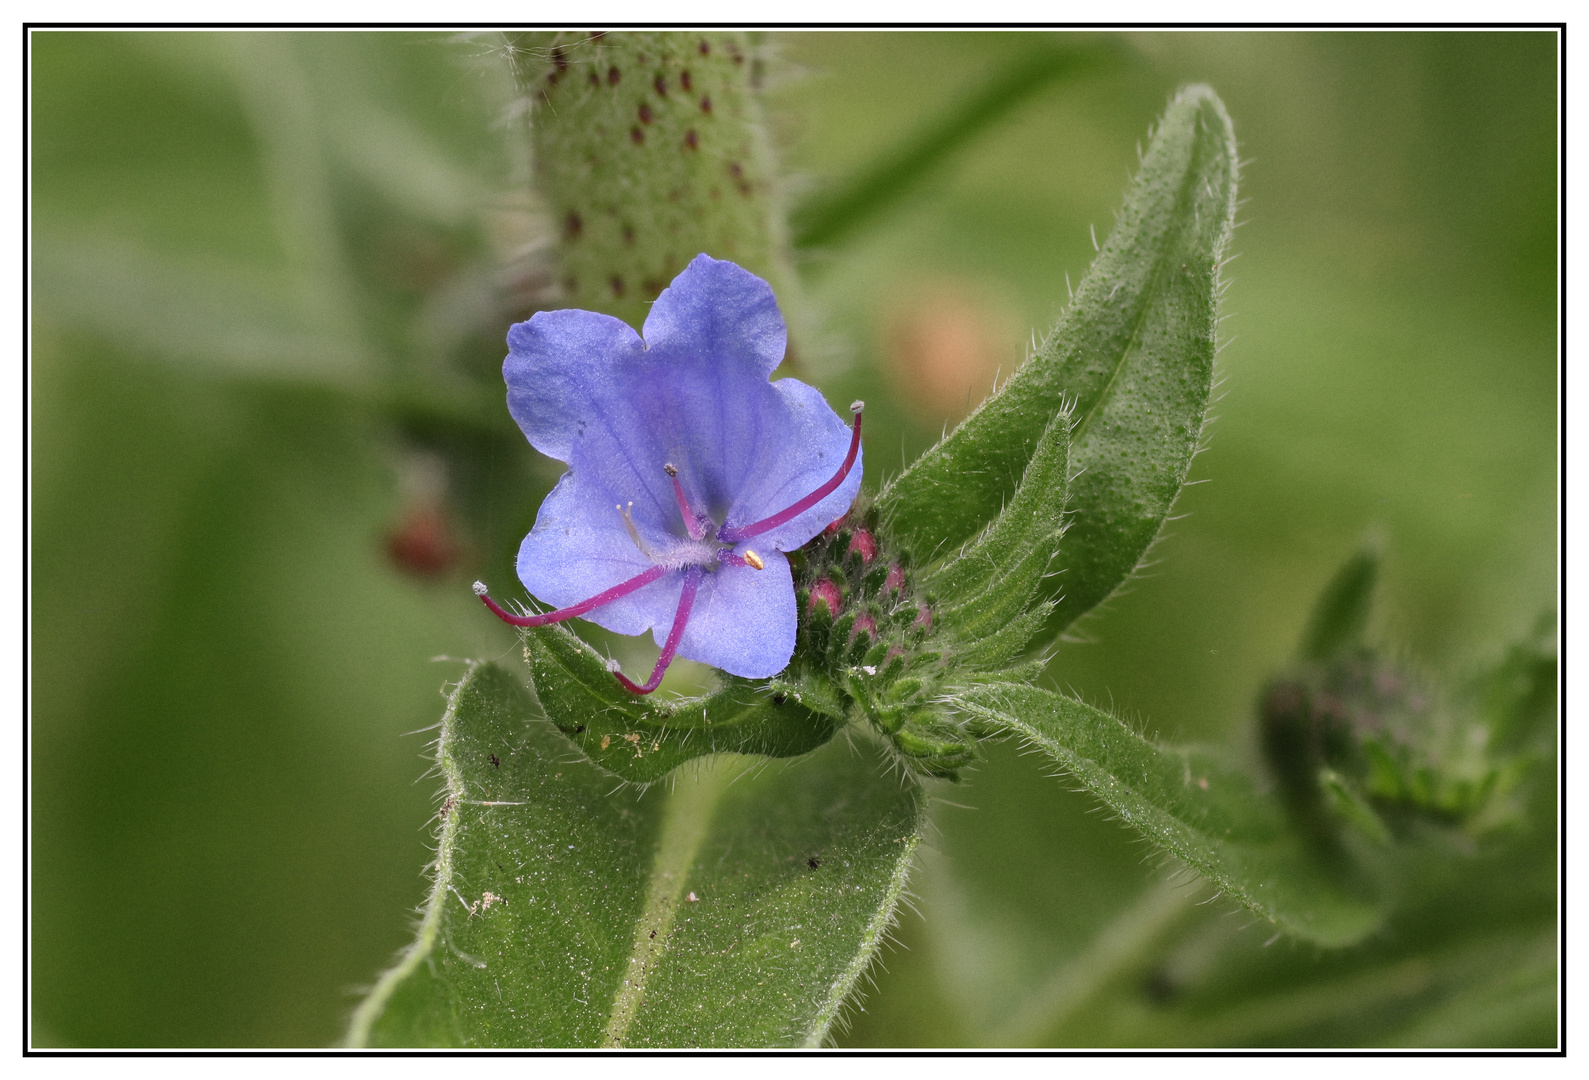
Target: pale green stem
{"points": [[1119, 946]]}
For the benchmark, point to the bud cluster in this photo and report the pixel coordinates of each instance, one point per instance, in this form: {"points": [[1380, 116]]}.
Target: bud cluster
{"points": [[867, 627], [1364, 737]]}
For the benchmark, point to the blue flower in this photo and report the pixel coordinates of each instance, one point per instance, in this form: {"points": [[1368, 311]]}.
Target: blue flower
{"points": [[689, 472]]}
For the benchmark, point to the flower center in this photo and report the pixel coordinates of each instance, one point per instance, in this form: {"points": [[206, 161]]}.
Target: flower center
{"points": [[705, 547]]}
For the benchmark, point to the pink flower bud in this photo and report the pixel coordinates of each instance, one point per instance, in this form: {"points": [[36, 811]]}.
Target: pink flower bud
{"points": [[864, 624], [826, 593], [924, 620], [895, 581], [863, 544]]}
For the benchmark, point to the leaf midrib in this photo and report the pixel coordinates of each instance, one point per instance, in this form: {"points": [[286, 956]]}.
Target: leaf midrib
{"points": [[686, 820], [1149, 291]]}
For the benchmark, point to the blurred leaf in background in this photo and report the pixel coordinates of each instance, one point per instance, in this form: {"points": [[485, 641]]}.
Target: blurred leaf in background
{"points": [[1390, 362], [249, 250], [272, 274]]}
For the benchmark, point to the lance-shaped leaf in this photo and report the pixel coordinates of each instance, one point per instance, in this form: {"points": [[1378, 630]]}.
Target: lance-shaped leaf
{"points": [[1132, 357], [1187, 802], [642, 738], [735, 906], [988, 587]]}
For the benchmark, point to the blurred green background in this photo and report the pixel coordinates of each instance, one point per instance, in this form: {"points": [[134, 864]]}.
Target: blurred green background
{"points": [[272, 275]]}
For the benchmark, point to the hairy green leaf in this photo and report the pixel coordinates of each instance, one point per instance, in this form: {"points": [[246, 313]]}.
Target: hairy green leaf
{"points": [[643, 739], [1132, 358], [992, 581], [1188, 802], [735, 906], [986, 592]]}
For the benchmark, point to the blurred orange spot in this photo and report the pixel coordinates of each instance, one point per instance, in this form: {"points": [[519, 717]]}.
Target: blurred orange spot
{"points": [[945, 345]]}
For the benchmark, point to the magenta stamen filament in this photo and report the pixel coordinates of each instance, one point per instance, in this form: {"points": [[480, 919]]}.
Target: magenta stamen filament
{"points": [[692, 582], [573, 611], [692, 521], [745, 532]]}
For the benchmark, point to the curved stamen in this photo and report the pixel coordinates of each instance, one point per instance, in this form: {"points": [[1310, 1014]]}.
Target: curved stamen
{"points": [[628, 523], [639, 581], [692, 582], [745, 532], [692, 520]]}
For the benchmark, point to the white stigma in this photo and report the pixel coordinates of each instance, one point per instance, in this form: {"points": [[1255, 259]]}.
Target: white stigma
{"points": [[480, 588]]}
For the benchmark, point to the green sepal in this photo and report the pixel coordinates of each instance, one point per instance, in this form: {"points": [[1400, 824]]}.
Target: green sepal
{"points": [[1342, 609], [1341, 797], [643, 739]]}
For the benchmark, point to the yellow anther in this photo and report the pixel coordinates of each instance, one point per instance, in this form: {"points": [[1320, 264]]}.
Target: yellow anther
{"points": [[754, 560]]}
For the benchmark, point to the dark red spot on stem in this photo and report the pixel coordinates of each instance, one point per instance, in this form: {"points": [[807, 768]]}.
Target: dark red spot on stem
{"points": [[613, 76]]}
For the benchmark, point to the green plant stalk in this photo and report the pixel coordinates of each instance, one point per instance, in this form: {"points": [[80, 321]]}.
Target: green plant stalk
{"points": [[649, 150]]}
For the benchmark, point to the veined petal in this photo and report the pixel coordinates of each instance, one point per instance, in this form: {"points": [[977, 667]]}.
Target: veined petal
{"points": [[743, 620], [719, 312], [564, 370], [808, 447], [578, 550]]}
